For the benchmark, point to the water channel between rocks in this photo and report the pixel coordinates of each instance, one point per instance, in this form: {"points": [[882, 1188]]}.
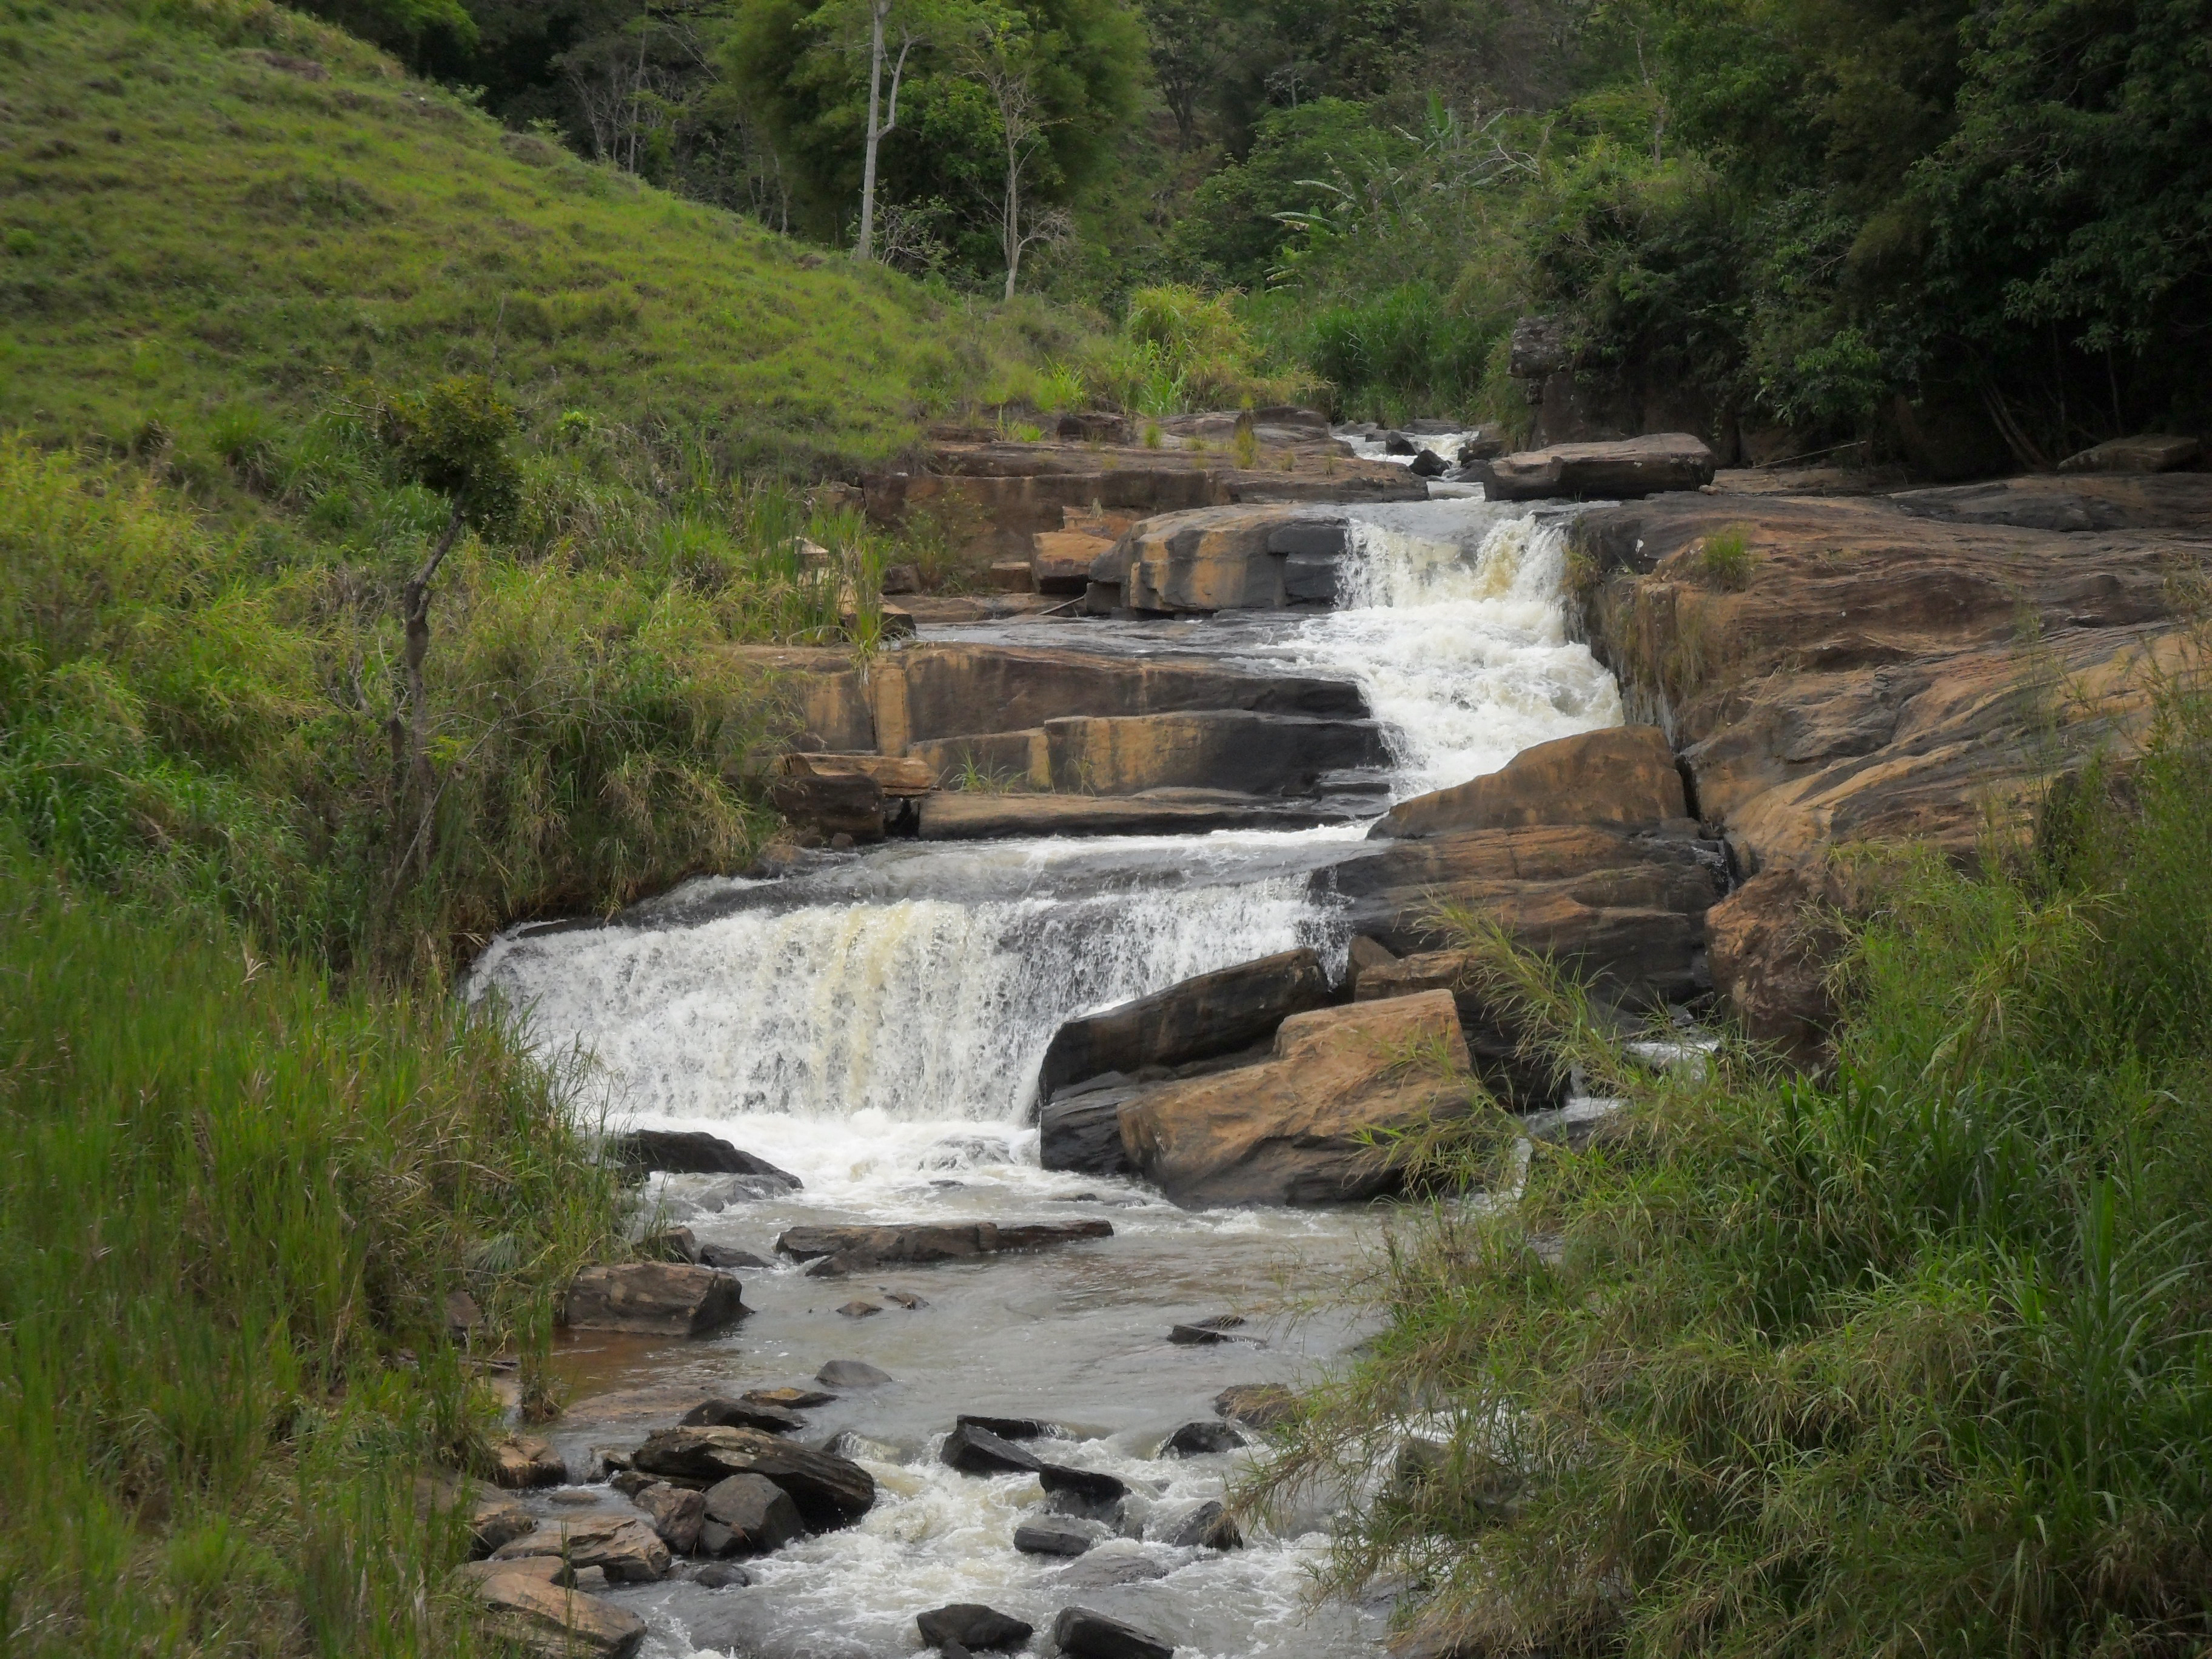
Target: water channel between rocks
{"points": [[874, 1023]]}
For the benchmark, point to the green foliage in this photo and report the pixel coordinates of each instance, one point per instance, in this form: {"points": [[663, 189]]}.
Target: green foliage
{"points": [[1181, 349], [228, 1221], [453, 438], [1910, 1357], [1401, 353], [1725, 559]]}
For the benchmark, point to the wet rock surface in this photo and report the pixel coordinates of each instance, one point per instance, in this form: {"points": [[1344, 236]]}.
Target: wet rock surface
{"points": [[685, 1151], [1622, 775], [653, 1299], [828, 1490], [972, 1625], [1083, 1634], [833, 1252]]}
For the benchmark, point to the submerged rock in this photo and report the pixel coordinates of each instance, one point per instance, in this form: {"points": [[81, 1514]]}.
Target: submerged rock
{"points": [[1109, 1565], [1202, 1526], [835, 1251], [851, 1374], [796, 1400]]}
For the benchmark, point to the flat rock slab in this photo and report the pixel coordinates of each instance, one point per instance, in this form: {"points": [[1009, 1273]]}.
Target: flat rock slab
{"points": [[560, 1624], [829, 1491], [1621, 471], [742, 1415], [2146, 452], [965, 815], [653, 1299], [833, 1251]]}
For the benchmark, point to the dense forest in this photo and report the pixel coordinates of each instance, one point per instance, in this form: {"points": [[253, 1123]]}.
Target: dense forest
{"points": [[1979, 234]]}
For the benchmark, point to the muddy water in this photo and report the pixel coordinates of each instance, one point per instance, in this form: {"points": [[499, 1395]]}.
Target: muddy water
{"points": [[873, 1024]]}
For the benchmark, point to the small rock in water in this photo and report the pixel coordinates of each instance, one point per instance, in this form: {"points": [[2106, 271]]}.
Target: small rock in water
{"points": [[858, 1309], [1083, 1492], [1202, 1332], [727, 1256], [1429, 464], [574, 1495], [630, 1482], [1083, 1634], [975, 1450], [1201, 1440], [1109, 1565], [852, 1444], [523, 1460], [1257, 1405], [677, 1514], [797, 1400], [1204, 1525], [669, 1244], [1053, 1537], [905, 1299], [971, 1624], [851, 1374], [743, 1414], [721, 1577]]}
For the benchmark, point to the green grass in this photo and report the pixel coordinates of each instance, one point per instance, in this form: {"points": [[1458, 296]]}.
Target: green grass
{"points": [[1914, 1357], [189, 222], [233, 1200], [1724, 558]]}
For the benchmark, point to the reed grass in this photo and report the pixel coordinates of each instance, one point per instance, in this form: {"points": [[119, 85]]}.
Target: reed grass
{"points": [[1910, 1358]]}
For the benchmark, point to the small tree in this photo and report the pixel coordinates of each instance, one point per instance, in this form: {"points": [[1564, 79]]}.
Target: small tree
{"points": [[881, 123], [1003, 55], [452, 439]]}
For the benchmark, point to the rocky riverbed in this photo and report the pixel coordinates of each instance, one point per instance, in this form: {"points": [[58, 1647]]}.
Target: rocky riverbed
{"points": [[1056, 1046]]}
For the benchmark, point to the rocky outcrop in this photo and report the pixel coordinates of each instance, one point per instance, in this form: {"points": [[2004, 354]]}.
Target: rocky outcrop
{"points": [[624, 1547], [653, 1299], [1773, 943], [542, 1618], [1212, 1014], [1622, 906], [1223, 558], [1253, 754], [1288, 1130], [1623, 468], [1624, 774], [1851, 671]]}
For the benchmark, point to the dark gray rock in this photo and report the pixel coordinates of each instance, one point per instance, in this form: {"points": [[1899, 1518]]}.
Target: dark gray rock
{"points": [[727, 1256], [1429, 464], [677, 1514], [1214, 1014], [1010, 1428], [972, 1625], [756, 1516], [721, 1577], [833, 1252], [1104, 1569], [743, 1414], [829, 1491], [1083, 1634], [2001, 503], [1052, 1536], [1201, 1440], [1204, 1333], [1086, 1493], [1257, 1405], [975, 1450], [1082, 1131], [691, 1151], [851, 1374]]}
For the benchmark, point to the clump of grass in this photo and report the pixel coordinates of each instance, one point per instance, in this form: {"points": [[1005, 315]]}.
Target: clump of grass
{"points": [[1152, 440], [228, 1222], [1244, 442], [1725, 559], [1909, 1357]]}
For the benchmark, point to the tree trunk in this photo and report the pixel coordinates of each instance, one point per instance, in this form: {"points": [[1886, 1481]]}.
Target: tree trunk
{"points": [[1013, 211], [864, 249]]}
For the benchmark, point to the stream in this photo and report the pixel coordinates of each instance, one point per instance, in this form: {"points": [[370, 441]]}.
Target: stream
{"points": [[872, 1022]]}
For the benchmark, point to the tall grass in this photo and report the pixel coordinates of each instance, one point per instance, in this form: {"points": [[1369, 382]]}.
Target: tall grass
{"points": [[232, 1202], [1913, 1358]]}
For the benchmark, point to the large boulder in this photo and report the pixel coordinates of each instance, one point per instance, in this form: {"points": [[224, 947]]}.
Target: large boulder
{"points": [[1082, 1634], [677, 1513], [1773, 942], [1288, 1130], [749, 1515], [653, 1299], [829, 1491], [972, 1625], [1211, 749], [1212, 1014], [1080, 1129], [1620, 469], [1624, 774], [543, 1619], [1228, 558], [694, 1151]]}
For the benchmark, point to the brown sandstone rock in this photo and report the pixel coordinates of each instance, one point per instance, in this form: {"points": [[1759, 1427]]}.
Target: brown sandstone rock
{"points": [[524, 1461], [1210, 749], [653, 1299], [558, 1623], [627, 1549], [2148, 452], [1229, 558], [677, 1513], [835, 1251], [964, 816], [1211, 1014], [1771, 949], [1622, 775], [1286, 1131]]}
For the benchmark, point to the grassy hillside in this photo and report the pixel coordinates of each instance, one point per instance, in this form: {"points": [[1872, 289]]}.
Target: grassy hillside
{"points": [[206, 201]]}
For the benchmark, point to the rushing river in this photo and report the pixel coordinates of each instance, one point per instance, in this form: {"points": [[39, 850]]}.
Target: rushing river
{"points": [[873, 1024]]}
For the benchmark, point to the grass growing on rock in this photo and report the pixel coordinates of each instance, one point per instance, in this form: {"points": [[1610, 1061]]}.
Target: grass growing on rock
{"points": [[1911, 1358]]}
